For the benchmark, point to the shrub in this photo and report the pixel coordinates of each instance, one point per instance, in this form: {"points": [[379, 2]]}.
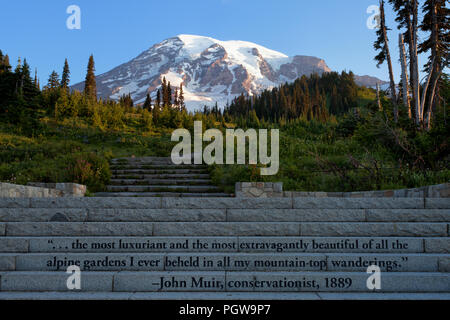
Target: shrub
{"points": [[89, 169]]}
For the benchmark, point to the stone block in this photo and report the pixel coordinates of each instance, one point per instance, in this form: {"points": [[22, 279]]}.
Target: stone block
{"points": [[79, 229], [106, 203], [149, 215], [226, 229], [7, 262], [408, 215], [91, 261], [331, 244], [42, 214], [437, 245], [14, 203], [437, 203], [444, 264], [231, 203], [169, 281], [386, 262], [358, 203], [54, 281], [297, 215], [246, 262], [330, 282], [15, 244], [373, 229], [134, 244]]}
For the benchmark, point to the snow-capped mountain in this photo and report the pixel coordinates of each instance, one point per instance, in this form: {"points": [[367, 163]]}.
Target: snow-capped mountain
{"points": [[210, 70]]}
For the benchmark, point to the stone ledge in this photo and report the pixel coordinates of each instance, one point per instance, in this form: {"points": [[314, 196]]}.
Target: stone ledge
{"points": [[69, 189], [42, 190], [275, 189], [259, 189], [220, 296]]}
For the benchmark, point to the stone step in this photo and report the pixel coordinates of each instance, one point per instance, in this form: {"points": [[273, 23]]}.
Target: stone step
{"points": [[142, 159], [181, 176], [185, 182], [208, 281], [162, 194], [226, 203], [156, 167], [234, 296], [263, 262], [231, 244], [157, 171], [351, 229], [163, 188], [335, 215], [223, 215]]}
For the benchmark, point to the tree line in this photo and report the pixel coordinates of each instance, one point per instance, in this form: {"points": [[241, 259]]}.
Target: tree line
{"points": [[421, 98], [314, 97], [22, 99]]}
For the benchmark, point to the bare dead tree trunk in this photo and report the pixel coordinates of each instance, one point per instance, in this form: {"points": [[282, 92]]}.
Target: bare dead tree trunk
{"points": [[405, 81], [412, 25], [425, 88], [411, 7], [380, 108], [435, 67], [388, 60], [432, 94], [391, 79], [410, 46]]}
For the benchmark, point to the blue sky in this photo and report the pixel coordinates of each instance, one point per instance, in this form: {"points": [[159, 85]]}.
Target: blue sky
{"points": [[117, 31]]}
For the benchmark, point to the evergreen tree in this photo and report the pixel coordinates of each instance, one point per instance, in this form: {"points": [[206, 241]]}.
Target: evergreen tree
{"points": [[18, 68], [148, 103], [181, 98], [158, 99], [175, 98], [6, 63], [169, 94], [126, 101], [165, 96], [407, 18], [156, 109], [35, 82], [382, 45], [53, 81], [28, 88], [65, 78], [90, 86], [436, 23]]}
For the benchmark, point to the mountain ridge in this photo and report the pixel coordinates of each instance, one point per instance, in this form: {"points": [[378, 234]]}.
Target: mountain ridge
{"points": [[210, 70]]}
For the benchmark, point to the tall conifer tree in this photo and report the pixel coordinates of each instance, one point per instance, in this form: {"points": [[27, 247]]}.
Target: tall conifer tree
{"points": [[148, 103], [158, 99], [181, 97], [165, 97], [436, 23], [169, 94], [53, 80], [382, 45], [90, 86], [65, 78]]}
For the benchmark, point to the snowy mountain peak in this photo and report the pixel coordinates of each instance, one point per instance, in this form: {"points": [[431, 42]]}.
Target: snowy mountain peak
{"points": [[210, 70]]}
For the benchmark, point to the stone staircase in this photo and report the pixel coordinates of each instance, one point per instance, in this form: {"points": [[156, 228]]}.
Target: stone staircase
{"points": [[159, 177], [224, 248]]}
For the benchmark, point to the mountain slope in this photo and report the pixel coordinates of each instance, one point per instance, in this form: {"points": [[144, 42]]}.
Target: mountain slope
{"points": [[210, 70]]}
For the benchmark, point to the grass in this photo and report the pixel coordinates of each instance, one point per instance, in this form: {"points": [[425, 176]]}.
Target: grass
{"points": [[313, 157], [72, 152]]}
